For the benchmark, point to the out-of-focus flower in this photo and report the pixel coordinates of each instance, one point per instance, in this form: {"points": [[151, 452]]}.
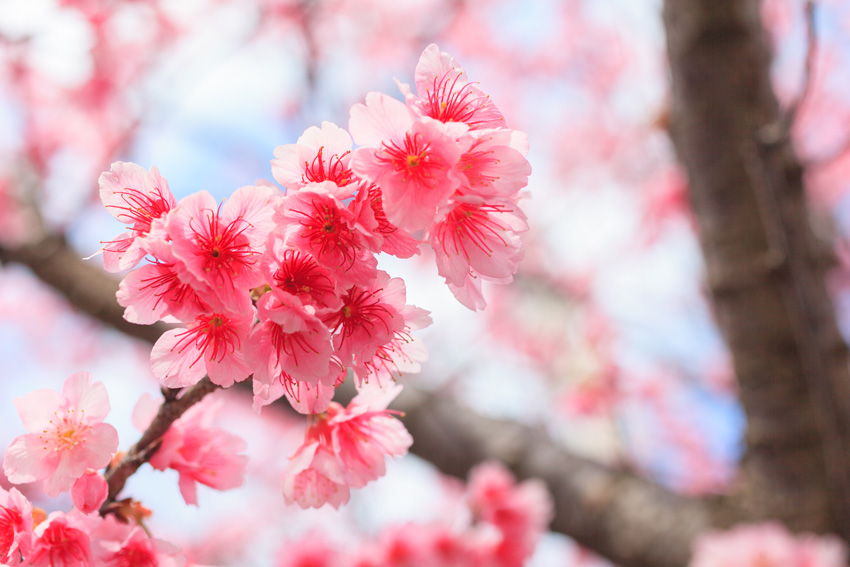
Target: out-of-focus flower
{"points": [[67, 436]]}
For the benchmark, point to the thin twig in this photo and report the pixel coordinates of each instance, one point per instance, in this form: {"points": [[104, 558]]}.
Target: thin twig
{"points": [[171, 409]]}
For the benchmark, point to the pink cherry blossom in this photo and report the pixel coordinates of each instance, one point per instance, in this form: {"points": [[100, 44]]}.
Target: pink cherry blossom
{"points": [[199, 452], [296, 272], [365, 432], [401, 355], [412, 161], [446, 94], [63, 540], [369, 318], [767, 545], [521, 512], [314, 477], [210, 345], [482, 237], [68, 435], [494, 165], [310, 550], [138, 198], [289, 343], [345, 448], [219, 247], [116, 544], [15, 526], [153, 291], [315, 220], [89, 492], [306, 398], [396, 241], [320, 155]]}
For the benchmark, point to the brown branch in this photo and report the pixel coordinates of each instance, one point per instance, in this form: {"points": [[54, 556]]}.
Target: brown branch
{"points": [[171, 409], [83, 283], [621, 516], [615, 513], [765, 268]]}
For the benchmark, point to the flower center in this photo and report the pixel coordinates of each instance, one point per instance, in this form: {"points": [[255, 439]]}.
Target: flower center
{"points": [[299, 274], [135, 554], [413, 159], [68, 431], [212, 335], [332, 170]]}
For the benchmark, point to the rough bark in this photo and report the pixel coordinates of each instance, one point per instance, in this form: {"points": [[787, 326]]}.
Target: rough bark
{"points": [[616, 513], [765, 268]]}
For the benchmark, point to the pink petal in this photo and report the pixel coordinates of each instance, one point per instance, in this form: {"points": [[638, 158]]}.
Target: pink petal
{"points": [[27, 461], [173, 368], [88, 397], [381, 118], [144, 411], [37, 408]]}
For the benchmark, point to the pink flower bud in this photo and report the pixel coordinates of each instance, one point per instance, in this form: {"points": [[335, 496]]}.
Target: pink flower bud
{"points": [[89, 492]]}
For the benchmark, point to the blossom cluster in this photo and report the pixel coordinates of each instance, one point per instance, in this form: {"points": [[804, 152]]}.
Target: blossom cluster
{"points": [[30, 538], [504, 524], [284, 287], [67, 442], [767, 545]]}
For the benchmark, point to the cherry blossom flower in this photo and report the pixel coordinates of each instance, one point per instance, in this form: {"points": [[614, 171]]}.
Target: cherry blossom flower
{"points": [[401, 355], [412, 161], [314, 477], [345, 448], [218, 248], [290, 343], [152, 292], [210, 345], [520, 512], [310, 550], [67, 436], [305, 397], [482, 237], [138, 198], [315, 220], [494, 165], [369, 318], [319, 155], [446, 94], [298, 273], [199, 452], [395, 241], [63, 540], [115, 544]]}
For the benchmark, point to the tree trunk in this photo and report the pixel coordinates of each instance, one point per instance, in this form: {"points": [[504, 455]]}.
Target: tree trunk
{"points": [[765, 268]]}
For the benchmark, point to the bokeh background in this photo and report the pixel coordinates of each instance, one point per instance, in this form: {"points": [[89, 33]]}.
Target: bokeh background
{"points": [[605, 338]]}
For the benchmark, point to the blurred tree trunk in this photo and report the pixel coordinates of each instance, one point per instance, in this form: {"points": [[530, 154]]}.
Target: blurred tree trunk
{"points": [[765, 268]]}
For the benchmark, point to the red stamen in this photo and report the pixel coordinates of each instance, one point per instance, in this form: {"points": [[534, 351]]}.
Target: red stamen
{"points": [[225, 248], [361, 309], [412, 159], [300, 274], [210, 332], [141, 208], [333, 170]]}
